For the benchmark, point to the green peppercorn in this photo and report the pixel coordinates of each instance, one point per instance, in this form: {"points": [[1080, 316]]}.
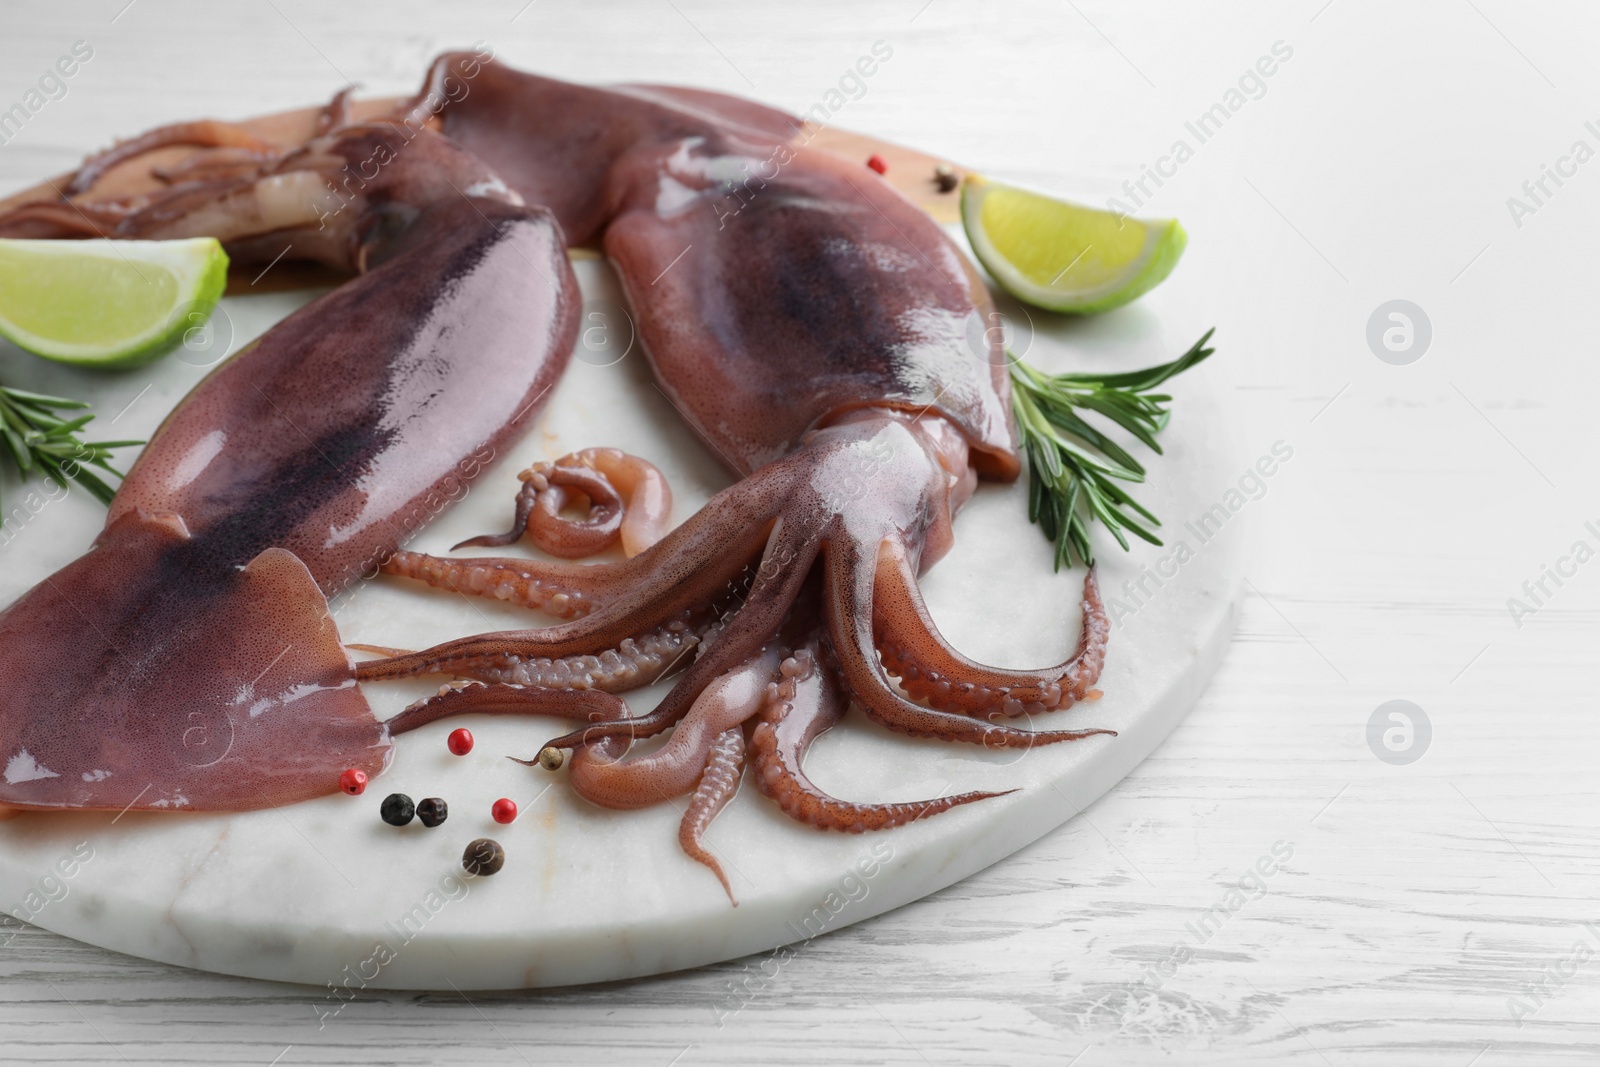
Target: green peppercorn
{"points": [[483, 856], [397, 809], [432, 811]]}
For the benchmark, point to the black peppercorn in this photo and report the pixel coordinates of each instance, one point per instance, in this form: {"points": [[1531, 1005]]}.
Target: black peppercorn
{"points": [[483, 856], [432, 811], [397, 809]]}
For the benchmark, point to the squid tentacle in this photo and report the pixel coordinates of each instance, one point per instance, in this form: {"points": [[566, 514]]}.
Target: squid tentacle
{"points": [[688, 571], [93, 220], [601, 773], [717, 786], [627, 497], [931, 670], [633, 663], [711, 767], [293, 194], [848, 580], [418, 110], [224, 151], [224, 162], [527, 496], [479, 698], [799, 708], [560, 589], [778, 582], [335, 113], [206, 133], [539, 505]]}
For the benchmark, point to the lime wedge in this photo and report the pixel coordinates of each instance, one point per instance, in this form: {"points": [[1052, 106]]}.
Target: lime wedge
{"points": [[1066, 257], [107, 304]]}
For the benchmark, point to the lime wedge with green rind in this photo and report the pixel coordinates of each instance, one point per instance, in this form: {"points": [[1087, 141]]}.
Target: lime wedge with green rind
{"points": [[1062, 256], [107, 304]]}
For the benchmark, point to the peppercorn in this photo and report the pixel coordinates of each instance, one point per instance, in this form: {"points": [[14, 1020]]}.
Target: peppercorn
{"points": [[504, 810], [483, 856], [353, 781], [432, 811], [397, 809], [877, 163], [460, 741], [945, 177]]}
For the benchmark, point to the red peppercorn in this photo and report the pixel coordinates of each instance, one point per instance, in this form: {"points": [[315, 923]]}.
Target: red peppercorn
{"points": [[353, 781], [504, 810], [876, 163], [460, 741]]}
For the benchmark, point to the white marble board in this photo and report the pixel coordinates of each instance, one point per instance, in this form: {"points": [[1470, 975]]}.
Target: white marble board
{"points": [[320, 892]]}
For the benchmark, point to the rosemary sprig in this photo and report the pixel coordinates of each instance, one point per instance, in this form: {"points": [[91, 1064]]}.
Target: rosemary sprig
{"points": [[38, 439], [1074, 468]]}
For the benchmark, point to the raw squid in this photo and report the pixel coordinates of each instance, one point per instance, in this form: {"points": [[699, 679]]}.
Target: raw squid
{"points": [[821, 334], [188, 660], [824, 338]]}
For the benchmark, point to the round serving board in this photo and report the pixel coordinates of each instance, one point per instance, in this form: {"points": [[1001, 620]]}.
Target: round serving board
{"points": [[325, 893]]}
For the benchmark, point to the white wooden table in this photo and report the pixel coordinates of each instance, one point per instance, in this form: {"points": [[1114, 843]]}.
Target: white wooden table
{"points": [[1430, 913]]}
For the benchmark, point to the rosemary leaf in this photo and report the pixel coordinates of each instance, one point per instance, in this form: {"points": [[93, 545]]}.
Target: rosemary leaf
{"points": [[1074, 468], [38, 439]]}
